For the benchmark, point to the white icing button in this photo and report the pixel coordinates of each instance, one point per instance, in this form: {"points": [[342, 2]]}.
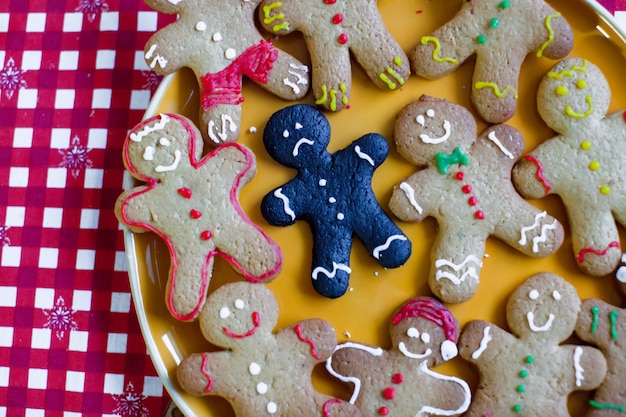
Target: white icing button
{"points": [[340, 216], [533, 295], [272, 407], [322, 183], [261, 388], [224, 312], [239, 304], [254, 368], [230, 53], [217, 37], [201, 26], [332, 200]]}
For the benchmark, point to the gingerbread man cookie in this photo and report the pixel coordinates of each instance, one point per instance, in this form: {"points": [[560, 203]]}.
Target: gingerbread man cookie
{"points": [[501, 33], [582, 164], [399, 381], [333, 193], [192, 203], [219, 41], [466, 186], [260, 373], [529, 372], [604, 325], [333, 30]]}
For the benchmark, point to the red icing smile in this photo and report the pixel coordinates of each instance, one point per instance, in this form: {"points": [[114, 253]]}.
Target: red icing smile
{"points": [[256, 321]]}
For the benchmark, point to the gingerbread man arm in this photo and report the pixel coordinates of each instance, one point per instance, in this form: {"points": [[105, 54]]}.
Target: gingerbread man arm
{"points": [[280, 207], [352, 363], [560, 40], [132, 209], [196, 373], [163, 57], [588, 367], [410, 200], [532, 176], [480, 342], [315, 338], [598, 323]]}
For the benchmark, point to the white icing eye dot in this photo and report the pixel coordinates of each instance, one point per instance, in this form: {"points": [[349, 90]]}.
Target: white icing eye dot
{"points": [[230, 53], [556, 295], [285, 133], [322, 183], [425, 337], [533, 295], [224, 312], [200, 26], [298, 126], [239, 304], [413, 332], [448, 350], [148, 153], [254, 368], [164, 142], [217, 37], [430, 113], [420, 120]]}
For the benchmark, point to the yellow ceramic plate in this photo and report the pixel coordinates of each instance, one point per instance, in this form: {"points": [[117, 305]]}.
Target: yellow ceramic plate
{"points": [[363, 312]]}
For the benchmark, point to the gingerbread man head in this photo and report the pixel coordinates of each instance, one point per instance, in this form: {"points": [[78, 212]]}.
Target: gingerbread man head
{"points": [[574, 95]]}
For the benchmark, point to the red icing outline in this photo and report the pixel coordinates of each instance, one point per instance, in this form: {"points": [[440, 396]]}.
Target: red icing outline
{"points": [[540, 176], [152, 182], [256, 322], [429, 309], [298, 329], [601, 252], [209, 385], [326, 406]]}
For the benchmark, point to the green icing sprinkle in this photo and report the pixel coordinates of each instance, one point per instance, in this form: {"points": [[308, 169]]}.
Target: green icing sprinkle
{"points": [[504, 4], [601, 406], [517, 408], [494, 23], [520, 388], [523, 373], [481, 39], [529, 359]]}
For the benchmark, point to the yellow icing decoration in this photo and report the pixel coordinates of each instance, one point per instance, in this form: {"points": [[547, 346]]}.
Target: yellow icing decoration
{"points": [[333, 99], [269, 19], [605, 189], [324, 97], [333, 96], [496, 89], [398, 61], [344, 97], [561, 91], [571, 113], [594, 165], [550, 39], [390, 84], [585, 145], [569, 72], [436, 56], [581, 84]]}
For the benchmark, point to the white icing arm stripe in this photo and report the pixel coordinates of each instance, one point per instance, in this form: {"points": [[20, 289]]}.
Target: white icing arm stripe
{"points": [[525, 229], [226, 120], [544, 235], [470, 258], [294, 87], [356, 381], [138, 137], [385, 246], [435, 141], [300, 142], [492, 137], [286, 207], [530, 316], [483, 343], [173, 166], [410, 195], [467, 395], [330, 274], [363, 155], [578, 352]]}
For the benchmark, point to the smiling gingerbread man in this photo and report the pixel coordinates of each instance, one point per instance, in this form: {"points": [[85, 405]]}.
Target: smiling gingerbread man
{"points": [[192, 203], [583, 164], [465, 184], [259, 372], [399, 381], [529, 372], [219, 41]]}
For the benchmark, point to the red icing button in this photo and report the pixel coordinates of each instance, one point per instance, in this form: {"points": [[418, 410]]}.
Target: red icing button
{"points": [[185, 192], [389, 393], [206, 235], [338, 18], [460, 175], [195, 214], [467, 188], [479, 215], [472, 201], [397, 378], [330, 1], [383, 411], [343, 39]]}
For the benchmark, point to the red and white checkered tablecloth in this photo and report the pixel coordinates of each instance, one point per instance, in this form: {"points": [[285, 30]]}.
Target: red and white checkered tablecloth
{"points": [[72, 82]]}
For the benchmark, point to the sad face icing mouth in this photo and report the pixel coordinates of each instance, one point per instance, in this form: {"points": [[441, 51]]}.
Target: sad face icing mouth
{"points": [[447, 128]]}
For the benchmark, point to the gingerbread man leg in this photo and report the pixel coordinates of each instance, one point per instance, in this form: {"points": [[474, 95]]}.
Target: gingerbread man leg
{"points": [[331, 261], [221, 123], [379, 235], [331, 83]]}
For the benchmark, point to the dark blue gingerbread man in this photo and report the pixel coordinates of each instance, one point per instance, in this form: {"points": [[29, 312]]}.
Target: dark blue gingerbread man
{"points": [[333, 193]]}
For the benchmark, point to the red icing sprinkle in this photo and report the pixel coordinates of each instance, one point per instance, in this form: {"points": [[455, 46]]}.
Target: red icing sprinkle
{"points": [[185, 192], [383, 411], [343, 39], [581, 255], [206, 235], [540, 176], [338, 18], [256, 322], [397, 378], [330, 1], [467, 188], [389, 393], [479, 215], [195, 214], [298, 330], [472, 201], [460, 175]]}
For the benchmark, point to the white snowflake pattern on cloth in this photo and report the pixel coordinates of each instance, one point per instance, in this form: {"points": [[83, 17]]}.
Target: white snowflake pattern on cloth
{"points": [[4, 237], [11, 79], [130, 403], [60, 318], [75, 158], [152, 80], [91, 8]]}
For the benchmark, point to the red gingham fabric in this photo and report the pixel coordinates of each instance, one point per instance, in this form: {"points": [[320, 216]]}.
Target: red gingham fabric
{"points": [[72, 83]]}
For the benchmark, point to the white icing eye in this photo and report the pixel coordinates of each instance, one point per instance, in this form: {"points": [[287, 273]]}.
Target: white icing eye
{"points": [[556, 295], [430, 113], [448, 350], [224, 312], [285, 133], [420, 120], [239, 304], [164, 142], [148, 153], [298, 126], [254, 368], [425, 337], [413, 332], [533, 295]]}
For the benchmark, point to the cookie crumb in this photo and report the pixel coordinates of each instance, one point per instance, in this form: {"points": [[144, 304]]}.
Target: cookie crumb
{"points": [[347, 334], [376, 273], [252, 129]]}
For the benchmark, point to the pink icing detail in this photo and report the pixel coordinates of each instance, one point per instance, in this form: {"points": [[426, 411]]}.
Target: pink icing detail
{"points": [[480, 215], [337, 19], [466, 189], [256, 322], [389, 393], [540, 176], [298, 330], [330, 1], [397, 378], [460, 175], [342, 39], [195, 214], [472, 201], [206, 235], [327, 404], [383, 411], [601, 252], [429, 309], [224, 87], [151, 183], [203, 371], [184, 192]]}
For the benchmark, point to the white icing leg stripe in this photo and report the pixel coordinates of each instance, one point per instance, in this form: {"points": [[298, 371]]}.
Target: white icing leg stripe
{"points": [[286, 207], [173, 166], [578, 352], [428, 410], [525, 229], [483, 343], [492, 137], [471, 272], [138, 137], [363, 155], [530, 316], [544, 235], [226, 120], [410, 195], [470, 258], [385, 246], [294, 87], [356, 381], [330, 274]]}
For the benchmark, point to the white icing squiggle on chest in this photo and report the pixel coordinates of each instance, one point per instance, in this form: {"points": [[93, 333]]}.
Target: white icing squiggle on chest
{"points": [[410, 195], [483, 343], [137, 137], [578, 352], [363, 155], [378, 249], [492, 137], [286, 207]]}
